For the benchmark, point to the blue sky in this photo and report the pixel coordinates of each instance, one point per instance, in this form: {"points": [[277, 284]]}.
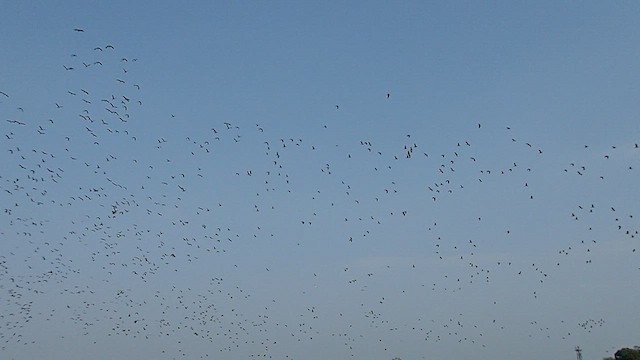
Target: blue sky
{"points": [[319, 180]]}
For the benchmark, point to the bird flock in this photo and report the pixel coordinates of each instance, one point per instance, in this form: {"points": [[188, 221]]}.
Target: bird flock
{"points": [[240, 239]]}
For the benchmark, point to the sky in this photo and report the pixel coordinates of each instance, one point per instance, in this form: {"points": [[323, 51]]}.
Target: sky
{"points": [[319, 180]]}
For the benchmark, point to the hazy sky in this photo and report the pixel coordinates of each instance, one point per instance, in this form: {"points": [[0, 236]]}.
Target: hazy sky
{"points": [[319, 180]]}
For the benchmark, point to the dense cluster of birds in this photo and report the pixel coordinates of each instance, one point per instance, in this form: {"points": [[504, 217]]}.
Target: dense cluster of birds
{"points": [[222, 235]]}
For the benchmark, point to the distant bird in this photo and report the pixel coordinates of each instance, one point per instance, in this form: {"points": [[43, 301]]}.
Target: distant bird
{"points": [[78, 30]]}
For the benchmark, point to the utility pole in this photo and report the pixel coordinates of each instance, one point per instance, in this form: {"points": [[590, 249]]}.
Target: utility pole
{"points": [[579, 352]]}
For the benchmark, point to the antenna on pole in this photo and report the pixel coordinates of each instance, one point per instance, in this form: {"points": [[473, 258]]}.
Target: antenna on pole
{"points": [[579, 353]]}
